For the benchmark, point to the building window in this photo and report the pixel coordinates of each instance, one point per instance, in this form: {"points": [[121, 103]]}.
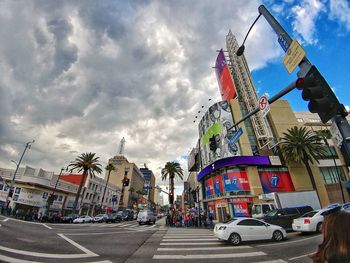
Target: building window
{"points": [[60, 198], [330, 153], [18, 190], [1, 186], [87, 196], [300, 120], [330, 174]]}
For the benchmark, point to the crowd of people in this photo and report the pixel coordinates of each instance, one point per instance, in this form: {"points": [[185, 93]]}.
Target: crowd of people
{"points": [[178, 218]]}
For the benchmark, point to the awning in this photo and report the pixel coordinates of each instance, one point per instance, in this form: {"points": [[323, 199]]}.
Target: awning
{"points": [[347, 184]]}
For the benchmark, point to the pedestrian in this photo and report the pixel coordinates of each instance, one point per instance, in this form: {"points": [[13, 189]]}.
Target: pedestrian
{"points": [[335, 247]]}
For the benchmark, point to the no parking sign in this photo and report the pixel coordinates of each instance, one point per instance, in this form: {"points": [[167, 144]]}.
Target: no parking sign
{"points": [[264, 105]]}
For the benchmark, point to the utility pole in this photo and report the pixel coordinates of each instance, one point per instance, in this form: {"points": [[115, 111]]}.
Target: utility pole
{"points": [[28, 145]]}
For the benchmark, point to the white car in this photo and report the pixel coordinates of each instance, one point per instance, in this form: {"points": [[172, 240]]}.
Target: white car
{"points": [[312, 221], [247, 229], [100, 218], [83, 219]]}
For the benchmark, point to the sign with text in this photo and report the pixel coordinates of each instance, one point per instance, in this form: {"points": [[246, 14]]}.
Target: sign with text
{"points": [[293, 56], [264, 105]]}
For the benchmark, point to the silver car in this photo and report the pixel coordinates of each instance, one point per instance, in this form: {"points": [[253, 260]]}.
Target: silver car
{"points": [[146, 217]]}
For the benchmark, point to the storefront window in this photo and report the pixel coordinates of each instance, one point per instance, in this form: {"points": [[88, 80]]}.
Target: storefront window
{"points": [[331, 174]]}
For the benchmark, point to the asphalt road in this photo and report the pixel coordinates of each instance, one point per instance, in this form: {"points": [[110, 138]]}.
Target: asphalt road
{"points": [[24, 242]]}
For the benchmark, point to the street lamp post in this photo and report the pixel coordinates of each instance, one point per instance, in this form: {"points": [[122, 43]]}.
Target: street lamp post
{"points": [[27, 146]]}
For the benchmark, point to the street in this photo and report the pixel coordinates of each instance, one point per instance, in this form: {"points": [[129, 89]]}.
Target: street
{"points": [[23, 241]]}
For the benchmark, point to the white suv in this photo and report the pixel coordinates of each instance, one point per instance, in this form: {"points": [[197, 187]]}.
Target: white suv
{"points": [[146, 217]]}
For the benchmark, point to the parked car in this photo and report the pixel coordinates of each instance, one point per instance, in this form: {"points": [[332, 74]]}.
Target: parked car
{"points": [[83, 219], [146, 217], [312, 221], [284, 217], [247, 229], [260, 210], [99, 218], [69, 218], [346, 207], [128, 215], [113, 218]]}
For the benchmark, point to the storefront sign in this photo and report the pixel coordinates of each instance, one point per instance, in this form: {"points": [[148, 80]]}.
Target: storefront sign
{"points": [[31, 197], [240, 209], [276, 181]]}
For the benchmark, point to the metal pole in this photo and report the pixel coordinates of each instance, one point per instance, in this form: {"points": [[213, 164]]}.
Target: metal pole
{"points": [[53, 192], [28, 144]]}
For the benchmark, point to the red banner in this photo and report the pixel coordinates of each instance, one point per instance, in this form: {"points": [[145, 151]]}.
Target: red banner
{"points": [[276, 182]]}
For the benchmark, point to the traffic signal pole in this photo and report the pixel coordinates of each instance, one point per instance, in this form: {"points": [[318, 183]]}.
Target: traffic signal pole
{"points": [[285, 41]]}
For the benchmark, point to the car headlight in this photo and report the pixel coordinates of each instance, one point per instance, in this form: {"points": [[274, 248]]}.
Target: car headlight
{"points": [[222, 228]]}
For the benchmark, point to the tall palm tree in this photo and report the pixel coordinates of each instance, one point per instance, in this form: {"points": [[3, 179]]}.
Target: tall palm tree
{"points": [[89, 164], [298, 145], [110, 167], [171, 170]]}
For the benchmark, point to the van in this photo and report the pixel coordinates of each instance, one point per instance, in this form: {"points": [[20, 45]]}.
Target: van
{"points": [[260, 210], [146, 217]]}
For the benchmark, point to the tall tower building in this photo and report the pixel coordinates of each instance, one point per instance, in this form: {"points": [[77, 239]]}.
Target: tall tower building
{"points": [[247, 95]]}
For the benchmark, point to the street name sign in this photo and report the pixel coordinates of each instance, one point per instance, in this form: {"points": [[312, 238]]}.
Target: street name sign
{"points": [[293, 56], [264, 105], [236, 136]]}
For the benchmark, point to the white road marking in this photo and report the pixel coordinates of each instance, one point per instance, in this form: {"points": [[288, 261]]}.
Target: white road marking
{"points": [[200, 248], [15, 260], [190, 244], [235, 255], [189, 239], [272, 261], [88, 252], [5, 220], [47, 226], [306, 255], [288, 242]]}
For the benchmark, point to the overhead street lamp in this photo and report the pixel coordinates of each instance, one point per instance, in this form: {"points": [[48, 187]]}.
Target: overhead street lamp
{"points": [[27, 146]]}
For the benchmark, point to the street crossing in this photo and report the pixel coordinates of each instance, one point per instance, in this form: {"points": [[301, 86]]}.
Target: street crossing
{"points": [[201, 244]]}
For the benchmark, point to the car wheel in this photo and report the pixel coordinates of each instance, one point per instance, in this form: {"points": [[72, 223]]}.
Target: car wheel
{"points": [[235, 239], [319, 227], [277, 235]]}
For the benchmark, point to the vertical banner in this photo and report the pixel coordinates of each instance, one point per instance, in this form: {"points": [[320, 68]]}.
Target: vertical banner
{"points": [[223, 75], [209, 191], [272, 181], [217, 181]]}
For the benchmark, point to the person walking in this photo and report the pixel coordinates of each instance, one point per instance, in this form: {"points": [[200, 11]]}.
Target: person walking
{"points": [[335, 247]]}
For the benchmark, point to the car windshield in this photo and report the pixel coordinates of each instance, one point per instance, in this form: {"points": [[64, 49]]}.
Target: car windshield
{"points": [[309, 214], [230, 221], [100, 215]]}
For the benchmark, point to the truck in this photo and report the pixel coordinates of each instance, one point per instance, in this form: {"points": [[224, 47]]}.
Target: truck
{"points": [[284, 199]]}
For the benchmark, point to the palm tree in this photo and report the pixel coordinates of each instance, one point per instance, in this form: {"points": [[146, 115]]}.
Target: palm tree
{"points": [[172, 169], [89, 164], [110, 167], [299, 144]]}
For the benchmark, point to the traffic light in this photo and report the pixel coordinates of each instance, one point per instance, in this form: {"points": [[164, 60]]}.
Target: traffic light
{"points": [[126, 182], [212, 143], [171, 198], [322, 99], [50, 199]]}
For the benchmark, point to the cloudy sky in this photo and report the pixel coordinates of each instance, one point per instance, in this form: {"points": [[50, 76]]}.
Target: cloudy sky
{"points": [[78, 76]]}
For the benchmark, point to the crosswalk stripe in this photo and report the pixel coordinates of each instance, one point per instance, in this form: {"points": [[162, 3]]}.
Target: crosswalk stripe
{"points": [[235, 255], [190, 244], [189, 239], [201, 248]]}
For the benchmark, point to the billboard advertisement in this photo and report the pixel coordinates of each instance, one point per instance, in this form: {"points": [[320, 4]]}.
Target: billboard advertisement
{"points": [[236, 181], [217, 182], [209, 189], [217, 122], [223, 75], [276, 181], [240, 208]]}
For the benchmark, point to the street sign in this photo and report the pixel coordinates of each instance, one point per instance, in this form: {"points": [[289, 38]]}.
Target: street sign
{"points": [[283, 43], [236, 136], [293, 56], [264, 105]]}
